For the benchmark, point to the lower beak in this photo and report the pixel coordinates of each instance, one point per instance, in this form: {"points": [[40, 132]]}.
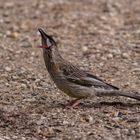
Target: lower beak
{"points": [[40, 46]]}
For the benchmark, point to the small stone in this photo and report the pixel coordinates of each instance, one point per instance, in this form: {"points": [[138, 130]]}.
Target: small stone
{"points": [[116, 119], [1, 20], [7, 84], [8, 69], [7, 21], [126, 131], [125, 55], [133, 132], [33, 53], [18, 52], [116, 51], [15, 34], [25, 44], [85, 48], [8, 33], [23, 85], [23, 138], [24, 26], [101, 64], [90, 119], [109, 55], [103, 58], [12, 34], [9, 4], [47, 133], [65, 122], [37, 80], [14, 77], [6, 14]]}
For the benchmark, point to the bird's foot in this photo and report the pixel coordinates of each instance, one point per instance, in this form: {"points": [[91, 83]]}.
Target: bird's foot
{"points": [[73, 103]]}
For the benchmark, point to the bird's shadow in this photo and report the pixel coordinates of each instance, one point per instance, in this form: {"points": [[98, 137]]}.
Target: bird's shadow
{"points": [[98, 105], [121, 104]]}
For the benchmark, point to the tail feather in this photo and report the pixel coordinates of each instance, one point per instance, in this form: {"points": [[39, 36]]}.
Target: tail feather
{"points": [[130, 95], [118, 93]]}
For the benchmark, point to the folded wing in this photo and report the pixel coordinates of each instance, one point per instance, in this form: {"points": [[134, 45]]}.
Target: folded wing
{"points": [[83, 78]]}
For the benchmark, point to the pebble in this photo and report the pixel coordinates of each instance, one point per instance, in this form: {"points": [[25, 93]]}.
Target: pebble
{"points": [[103, 58], [84, 48], [126, 131], [33, 53], [7, 84], [7, 21], [125, 55], [23, 138], [116, 51], [9, 4], [101, 64], [116, 119], [24, 26], [133, 132], [90, 119], [110, 55], [12, 34], [14, 77], [8, 33], [8, 69], [37, 80], [23, 85], [117, 132], [6, 14], [65, 122], [1, 20], [6, 138], [25, 44]]}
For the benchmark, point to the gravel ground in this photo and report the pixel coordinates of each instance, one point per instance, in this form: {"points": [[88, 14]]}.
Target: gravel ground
{"points": [[98, 35]]}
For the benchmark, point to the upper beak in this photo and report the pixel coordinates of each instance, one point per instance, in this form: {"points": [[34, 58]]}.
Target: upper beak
{"points": [[43, 34], [47, 40]]}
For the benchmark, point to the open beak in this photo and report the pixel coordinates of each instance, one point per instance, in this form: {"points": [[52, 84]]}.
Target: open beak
{"points": [[47, 40], [44, 37], [43, 34]]}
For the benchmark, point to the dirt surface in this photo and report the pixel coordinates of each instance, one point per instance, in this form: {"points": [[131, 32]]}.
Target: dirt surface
{"points": [[98, 35]]}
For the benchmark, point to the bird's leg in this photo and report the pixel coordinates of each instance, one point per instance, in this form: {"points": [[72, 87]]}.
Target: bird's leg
{"points": [[74, 103]]}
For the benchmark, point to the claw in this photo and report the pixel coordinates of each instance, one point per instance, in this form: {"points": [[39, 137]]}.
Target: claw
{"points": [[73, 103]]}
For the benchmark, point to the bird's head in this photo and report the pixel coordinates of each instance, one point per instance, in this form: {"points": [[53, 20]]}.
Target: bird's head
{"points": [[47, 41]]}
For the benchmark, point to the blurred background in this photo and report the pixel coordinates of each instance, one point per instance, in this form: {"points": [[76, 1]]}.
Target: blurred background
{"points": [[102, 36]]}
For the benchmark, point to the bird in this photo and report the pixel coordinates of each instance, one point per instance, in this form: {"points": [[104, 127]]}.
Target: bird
{"points": [[72, 80]]}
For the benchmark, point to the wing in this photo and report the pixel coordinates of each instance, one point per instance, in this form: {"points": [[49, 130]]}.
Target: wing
{"points": [[98, 80], [83, 78]]}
